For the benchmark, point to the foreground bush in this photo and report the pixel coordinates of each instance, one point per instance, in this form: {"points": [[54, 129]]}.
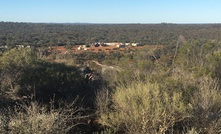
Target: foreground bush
{"points": [[37, 119], [206, 107], [144, 108], [22, 75], [152, 108]]}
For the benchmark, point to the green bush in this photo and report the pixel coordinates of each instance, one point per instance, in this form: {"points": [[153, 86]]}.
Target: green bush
{"points": [[13, 65], [143, 108], [25, 76], [201, 58], [17, 57], [206, 107]]}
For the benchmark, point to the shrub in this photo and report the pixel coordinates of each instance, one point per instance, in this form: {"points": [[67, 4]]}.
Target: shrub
{"points": [[36, 118], [13, 64], [206, 107], [143, 108], [23, 75]]}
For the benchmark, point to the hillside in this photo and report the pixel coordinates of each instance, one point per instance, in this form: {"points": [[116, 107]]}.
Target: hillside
{"points": [[171, 84]]}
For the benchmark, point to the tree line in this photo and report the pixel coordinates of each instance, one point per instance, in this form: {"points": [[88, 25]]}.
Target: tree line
{"points": [[50, 34]]}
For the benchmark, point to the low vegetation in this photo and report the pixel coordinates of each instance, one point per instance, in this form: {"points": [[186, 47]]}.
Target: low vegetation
{"points": [[174, 89], [181, 98], [35, 118]]}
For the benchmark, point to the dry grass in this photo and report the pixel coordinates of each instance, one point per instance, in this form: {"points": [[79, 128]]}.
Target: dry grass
{"points": [[38, 119]]}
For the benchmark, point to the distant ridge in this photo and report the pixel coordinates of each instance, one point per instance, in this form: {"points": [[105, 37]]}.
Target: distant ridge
{"points": [[92, 23]]}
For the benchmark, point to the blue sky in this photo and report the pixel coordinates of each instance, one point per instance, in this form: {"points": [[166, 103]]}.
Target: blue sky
{"points": [[111, 11]]}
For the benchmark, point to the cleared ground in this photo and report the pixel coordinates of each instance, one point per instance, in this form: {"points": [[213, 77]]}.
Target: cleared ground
{"points": [[106, 49]]}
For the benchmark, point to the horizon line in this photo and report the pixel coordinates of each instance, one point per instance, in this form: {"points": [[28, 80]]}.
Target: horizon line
{"points": [[111, 22]]}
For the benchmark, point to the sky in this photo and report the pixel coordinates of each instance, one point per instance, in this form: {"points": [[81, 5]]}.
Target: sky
{"points": [[111, 11]]}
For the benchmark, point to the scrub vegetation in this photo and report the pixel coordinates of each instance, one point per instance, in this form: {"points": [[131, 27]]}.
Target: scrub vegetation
{"points": [[172, 89]]}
